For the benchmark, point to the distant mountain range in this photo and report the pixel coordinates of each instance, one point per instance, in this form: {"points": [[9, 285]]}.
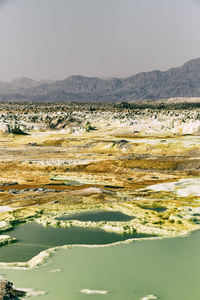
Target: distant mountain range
{"points": [[176, 82]]}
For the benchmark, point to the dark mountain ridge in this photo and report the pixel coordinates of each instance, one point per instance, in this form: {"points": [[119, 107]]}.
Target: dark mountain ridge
{"points": [[183, 81]]}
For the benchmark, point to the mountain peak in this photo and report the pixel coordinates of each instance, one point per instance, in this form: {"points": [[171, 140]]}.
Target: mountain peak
{"points": [[22, 79], [193, 63]]}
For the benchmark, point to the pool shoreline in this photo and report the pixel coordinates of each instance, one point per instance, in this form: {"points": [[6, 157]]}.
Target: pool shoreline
{"points": [[43, 256]]}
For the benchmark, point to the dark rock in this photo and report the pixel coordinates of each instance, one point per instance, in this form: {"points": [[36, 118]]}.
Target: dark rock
{"points": [[7, 292], [9, 183], [13, 191], [32, 144], [17, 130]]}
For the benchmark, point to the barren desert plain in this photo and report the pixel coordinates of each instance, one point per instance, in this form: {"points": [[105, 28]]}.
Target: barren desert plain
{"points": [[140, 160]]}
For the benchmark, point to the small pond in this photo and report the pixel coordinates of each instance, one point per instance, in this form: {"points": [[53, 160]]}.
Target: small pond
{"points": [[158, 209], [98, 216], [34, 238]]}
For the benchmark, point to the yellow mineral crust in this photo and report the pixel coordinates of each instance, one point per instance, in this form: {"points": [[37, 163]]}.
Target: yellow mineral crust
{"points": [[113, 164]]}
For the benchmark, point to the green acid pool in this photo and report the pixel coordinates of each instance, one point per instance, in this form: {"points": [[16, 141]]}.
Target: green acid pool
{"points": [[33, 238], [97, 216], [168, 269]]}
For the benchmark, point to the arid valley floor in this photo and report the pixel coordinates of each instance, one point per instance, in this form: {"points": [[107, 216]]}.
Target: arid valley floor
{"points": [[141, 159]]}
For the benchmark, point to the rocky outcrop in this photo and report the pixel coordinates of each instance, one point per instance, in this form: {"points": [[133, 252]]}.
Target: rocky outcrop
{"points": [[7, 292], [5, 225], [6, 239]]}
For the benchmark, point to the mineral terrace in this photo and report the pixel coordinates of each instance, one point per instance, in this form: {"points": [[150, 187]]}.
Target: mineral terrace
{"points": [[56, 158]]}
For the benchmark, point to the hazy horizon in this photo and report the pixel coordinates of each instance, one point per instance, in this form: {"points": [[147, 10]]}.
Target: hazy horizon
{"points": [[55, 39], [104, 78]]}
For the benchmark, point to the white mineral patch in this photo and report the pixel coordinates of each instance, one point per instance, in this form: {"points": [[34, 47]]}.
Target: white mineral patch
{"points": [[56, 270], [183, 187], [91, 191], [196, 210], [87, 291], [191, 127], [39, 259], [31, 292], [6, 208], [5, 226], [149, 297], [6, 239]]}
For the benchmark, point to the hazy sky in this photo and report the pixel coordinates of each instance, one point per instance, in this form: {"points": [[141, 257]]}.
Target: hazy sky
{"points": [[54, 39]]}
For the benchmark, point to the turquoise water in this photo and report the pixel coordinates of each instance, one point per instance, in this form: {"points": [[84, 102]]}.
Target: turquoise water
{"points": [[97, 216], [168, 269], [33, 238]]}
